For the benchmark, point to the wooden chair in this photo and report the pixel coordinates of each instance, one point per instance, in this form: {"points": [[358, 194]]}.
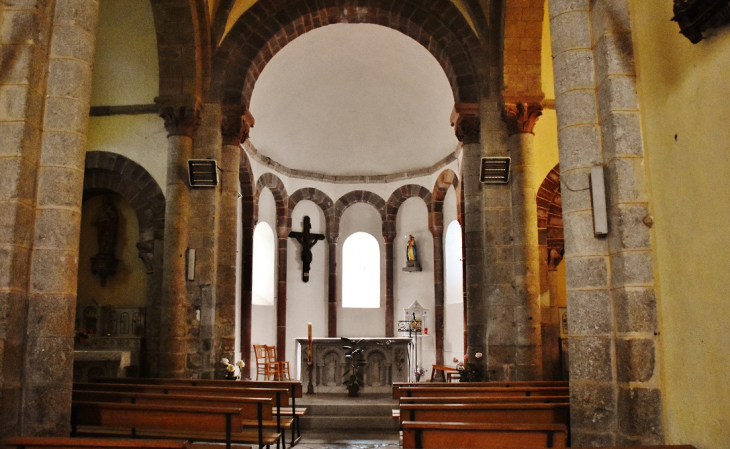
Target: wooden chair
{"points": [[263, 366], [282, 368]]}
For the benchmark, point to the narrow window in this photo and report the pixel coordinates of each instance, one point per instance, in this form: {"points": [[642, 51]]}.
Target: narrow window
{"points": [[361, 271], [452, 264], [264, 257]]}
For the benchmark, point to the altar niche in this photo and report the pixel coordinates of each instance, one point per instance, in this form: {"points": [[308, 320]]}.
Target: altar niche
{"points": [[307, 240], [386, 362]]}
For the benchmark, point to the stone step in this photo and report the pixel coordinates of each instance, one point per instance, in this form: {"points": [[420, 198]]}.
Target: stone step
{"points": [[382, 410], [321, 423]]}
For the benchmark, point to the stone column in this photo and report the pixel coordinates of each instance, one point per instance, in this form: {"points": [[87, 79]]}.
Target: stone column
{"points": [[466, 122], [233, 128], [615, 381], [523, 313], [283, 236], [47, 371], [438, 287], [389, 302], [177, 344], [248, 222], [332, 237]]}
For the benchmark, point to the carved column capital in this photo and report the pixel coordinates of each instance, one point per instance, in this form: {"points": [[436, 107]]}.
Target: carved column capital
{"points": [[521, 117], [235, 126], [465, 120], [181, 115]]}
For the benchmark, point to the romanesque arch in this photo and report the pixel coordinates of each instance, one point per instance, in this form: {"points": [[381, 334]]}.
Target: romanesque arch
{"points": [[270, 24], [111, 172]]}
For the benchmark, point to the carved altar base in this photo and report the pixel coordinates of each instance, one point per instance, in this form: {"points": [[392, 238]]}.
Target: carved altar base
{"points": [[387, 362]]}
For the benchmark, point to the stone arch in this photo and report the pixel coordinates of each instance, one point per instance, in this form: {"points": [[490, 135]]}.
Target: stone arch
{"points": [[347, 200], [283, 226], [106, 171], [183, 49], [274, 183], [550, 219], [396, 200], [271, 24], [446, 179], [111, 172], [316, 196]]}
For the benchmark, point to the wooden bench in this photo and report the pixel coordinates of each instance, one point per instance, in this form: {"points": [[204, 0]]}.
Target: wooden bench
{"points": [[483, 435], [480, 400], [294, 387], [666, 446], [481, 391], [210, 424], [279, 395], [532, 383], [487, 413], [255, 412], [85, 443]]}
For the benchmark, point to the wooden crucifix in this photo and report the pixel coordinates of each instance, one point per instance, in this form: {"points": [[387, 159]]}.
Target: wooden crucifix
{"points": [[307, 240]]}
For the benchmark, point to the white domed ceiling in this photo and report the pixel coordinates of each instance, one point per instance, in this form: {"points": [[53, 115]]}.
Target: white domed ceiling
{"points": [[353, 99]]}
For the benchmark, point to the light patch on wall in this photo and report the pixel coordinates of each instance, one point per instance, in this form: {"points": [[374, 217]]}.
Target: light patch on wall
{"points": [[453, 268], [264, 256], [361, 271]]}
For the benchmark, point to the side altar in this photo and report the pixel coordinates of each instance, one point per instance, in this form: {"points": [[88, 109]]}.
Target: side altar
{"points": [[387, 362]]}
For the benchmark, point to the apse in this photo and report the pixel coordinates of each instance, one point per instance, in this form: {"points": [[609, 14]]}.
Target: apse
{"points": [[353, 99]]}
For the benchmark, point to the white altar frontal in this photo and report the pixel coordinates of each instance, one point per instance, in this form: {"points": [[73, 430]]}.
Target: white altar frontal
{"points": [[387, 362]]}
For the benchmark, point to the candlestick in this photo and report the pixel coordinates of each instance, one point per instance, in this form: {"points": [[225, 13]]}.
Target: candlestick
{"points": [[309, 325]]}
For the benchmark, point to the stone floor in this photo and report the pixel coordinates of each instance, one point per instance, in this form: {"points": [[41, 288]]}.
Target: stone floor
{"points": [[349, 440]]}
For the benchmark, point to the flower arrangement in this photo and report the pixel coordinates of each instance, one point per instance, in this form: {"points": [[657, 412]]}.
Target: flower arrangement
{"points": [[469, 371], [83, 334], [233, 371], [418, 372]]}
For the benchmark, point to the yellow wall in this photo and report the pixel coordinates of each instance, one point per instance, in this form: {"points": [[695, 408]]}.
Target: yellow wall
{"points": [[125, 63], [128, 287], [683, 91], [126, 73]]}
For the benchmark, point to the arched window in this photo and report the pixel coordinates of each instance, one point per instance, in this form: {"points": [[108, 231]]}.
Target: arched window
{"points": [[453, 269], [264, 258], [361, 271]]}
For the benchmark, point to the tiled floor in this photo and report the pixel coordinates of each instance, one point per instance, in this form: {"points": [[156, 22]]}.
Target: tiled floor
{"points": [[347, 441]]}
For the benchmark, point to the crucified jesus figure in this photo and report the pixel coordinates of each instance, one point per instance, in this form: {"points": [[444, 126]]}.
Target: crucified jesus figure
{"points": [[307, 240]]}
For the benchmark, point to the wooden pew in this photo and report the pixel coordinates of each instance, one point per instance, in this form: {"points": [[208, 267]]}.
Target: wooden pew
{"points": [[666, 446], [483, 399], [86, 443], [487, 413], [482, 391], [529, 383], [480, 400], [483, 435], [211, 424], [279, 395], [255, 412], [294, 386]]}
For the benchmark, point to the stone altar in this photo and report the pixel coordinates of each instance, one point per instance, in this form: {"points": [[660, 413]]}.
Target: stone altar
{"points": [[387, 362]]}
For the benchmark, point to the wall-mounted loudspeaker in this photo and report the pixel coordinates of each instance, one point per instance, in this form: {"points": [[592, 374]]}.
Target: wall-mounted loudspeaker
{"points": [[203, 172]]}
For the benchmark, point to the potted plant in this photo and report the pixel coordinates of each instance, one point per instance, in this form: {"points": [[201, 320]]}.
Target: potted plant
{"points": [[355, 360]]}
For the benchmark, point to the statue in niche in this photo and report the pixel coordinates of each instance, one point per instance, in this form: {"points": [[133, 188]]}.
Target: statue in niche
{"points": [[106, 222], [104, 264], [411, 255]]}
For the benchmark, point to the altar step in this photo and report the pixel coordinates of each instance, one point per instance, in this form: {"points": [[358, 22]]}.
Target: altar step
{"points": [[361, 414]]}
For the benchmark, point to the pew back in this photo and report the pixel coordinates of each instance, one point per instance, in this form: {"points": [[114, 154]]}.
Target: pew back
{"points": [[482, 391], [487, 413], [85, 443], [483, 435]]}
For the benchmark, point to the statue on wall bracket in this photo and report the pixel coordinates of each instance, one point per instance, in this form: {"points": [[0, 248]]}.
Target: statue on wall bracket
{"points": [[104, 264], [307, 240], [412, 263]]}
